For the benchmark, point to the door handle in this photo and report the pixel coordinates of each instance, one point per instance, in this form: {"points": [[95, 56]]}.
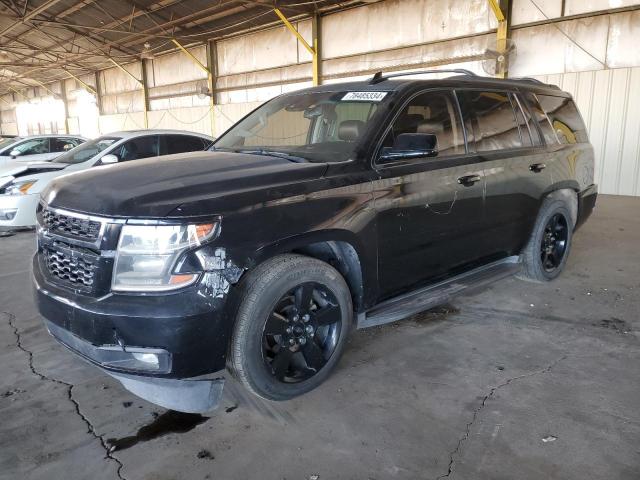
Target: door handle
{"points": [[468, 180], [537, 167]]}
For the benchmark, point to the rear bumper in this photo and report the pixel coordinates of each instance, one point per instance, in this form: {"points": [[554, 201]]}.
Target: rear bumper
{"points": [[586, 203]]}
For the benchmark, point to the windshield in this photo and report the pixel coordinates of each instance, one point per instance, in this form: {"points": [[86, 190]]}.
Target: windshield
{"points": [[317, 127], [5, 142], [86, 151]]}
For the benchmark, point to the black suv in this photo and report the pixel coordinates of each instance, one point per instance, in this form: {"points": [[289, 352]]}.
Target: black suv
{"points": [[343, 205]]}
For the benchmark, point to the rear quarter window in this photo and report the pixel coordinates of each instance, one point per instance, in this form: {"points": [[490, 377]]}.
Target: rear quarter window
{"points": [[496, 126], [184, 143], [564, 118]]}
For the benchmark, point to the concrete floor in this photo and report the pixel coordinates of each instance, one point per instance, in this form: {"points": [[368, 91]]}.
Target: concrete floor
{"points": [[522, 381]]}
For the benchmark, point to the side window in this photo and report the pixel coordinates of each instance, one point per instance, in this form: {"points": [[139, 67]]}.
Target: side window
{"points": [[435, 113], [524, 122], [33, 147], [565, 118], [540, 117], [496, 126], [63, 144], [142, 147], [183, 143]]}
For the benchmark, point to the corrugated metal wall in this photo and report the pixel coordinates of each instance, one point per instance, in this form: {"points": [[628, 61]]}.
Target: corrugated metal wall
{"points": [[610, 105]]}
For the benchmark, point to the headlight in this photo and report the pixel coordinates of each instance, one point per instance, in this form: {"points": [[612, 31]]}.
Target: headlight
{"points": [[19, 188], [147, 255]]}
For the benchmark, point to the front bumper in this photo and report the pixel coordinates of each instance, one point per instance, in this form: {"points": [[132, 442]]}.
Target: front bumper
{"points": [[187, 331], [18, 211], [192, 396]]}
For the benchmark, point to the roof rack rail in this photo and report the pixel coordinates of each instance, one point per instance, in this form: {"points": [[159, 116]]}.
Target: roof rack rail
{"points": [[527, 79], [536, 81], [380, 77]]}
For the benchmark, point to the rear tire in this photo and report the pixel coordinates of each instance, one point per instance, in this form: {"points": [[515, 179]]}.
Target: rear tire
{"points": [[548, 248], [292, 323]]}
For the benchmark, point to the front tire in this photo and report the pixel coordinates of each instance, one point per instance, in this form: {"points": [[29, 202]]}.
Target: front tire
{"points": [[292, 323], [546, 253]]}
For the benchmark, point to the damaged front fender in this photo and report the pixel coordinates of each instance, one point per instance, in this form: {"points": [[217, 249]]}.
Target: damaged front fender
{"points": [[220, 271]]}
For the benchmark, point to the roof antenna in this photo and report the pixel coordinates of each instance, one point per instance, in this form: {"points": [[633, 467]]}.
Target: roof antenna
{"points": [[377, 78]]}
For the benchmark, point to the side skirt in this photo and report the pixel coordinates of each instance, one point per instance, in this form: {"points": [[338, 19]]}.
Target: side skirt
{"points": [[431, 296]]}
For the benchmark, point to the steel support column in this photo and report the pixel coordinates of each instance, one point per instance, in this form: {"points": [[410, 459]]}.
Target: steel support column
{"points": [[63, 97], [501, 10], [145, 91], [316, 30], [97, 90], [212, 65]]}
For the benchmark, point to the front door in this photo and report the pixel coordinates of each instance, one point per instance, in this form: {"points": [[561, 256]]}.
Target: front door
{"points": [[429, 210]]}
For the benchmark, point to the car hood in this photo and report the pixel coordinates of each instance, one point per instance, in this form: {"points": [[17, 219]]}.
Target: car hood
{"points": [[174, 185], [27, 171], [21, 169]]}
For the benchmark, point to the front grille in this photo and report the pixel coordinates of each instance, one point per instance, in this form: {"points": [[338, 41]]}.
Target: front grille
{"points": [[69, 226], [65, 265]]}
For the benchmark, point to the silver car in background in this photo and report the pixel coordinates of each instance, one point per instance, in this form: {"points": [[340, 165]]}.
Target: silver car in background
{"points": [[21, 183], [36, 148]]}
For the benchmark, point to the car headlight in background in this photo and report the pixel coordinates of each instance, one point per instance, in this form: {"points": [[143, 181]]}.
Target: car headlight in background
{"points": [[18, 188], [147, 255]]}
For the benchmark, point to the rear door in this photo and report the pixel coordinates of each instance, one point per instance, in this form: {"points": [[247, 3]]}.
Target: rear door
{"points": [[570, 157], [513, 157], [428, 219]]}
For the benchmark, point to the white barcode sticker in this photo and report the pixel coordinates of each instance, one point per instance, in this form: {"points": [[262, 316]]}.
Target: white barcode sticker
{"points": [[364, 96]]}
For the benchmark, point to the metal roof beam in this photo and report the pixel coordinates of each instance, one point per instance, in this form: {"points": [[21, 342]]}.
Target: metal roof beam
{"points": [[33, 13]]}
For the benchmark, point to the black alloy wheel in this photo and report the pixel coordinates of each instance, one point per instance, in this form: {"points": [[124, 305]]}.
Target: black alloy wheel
{"points": [[554, 242], [301, 333]]}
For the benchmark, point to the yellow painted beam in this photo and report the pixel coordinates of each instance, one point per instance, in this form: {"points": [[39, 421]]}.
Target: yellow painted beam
{"points": [[87, 87], [315, 61], [142, 85], [8, 103], [191, 56], [294, 31], [501, 34], [496, 10], [212, 68], [45, 87], [312, 50], [21, 95], [126, 71]]}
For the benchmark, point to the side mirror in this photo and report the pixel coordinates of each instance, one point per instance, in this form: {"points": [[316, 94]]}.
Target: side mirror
{"points": [[411, 145], [15, 153], [109, 158]]}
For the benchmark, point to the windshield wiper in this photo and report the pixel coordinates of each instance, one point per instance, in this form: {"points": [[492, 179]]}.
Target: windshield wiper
{"points": [[271, 153]]}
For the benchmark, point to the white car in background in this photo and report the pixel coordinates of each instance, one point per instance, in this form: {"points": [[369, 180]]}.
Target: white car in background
{"points": [[36, 148], [21, 184]]}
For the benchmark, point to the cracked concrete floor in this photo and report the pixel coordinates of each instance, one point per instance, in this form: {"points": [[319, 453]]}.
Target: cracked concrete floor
{"points": [[521, 381]]}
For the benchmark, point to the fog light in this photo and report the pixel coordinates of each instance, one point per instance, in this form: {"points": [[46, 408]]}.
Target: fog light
{"points": [[148, 358], [8, 214]]}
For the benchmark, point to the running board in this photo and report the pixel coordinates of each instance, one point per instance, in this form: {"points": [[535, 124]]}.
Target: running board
{"points": [[431, 296]]}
